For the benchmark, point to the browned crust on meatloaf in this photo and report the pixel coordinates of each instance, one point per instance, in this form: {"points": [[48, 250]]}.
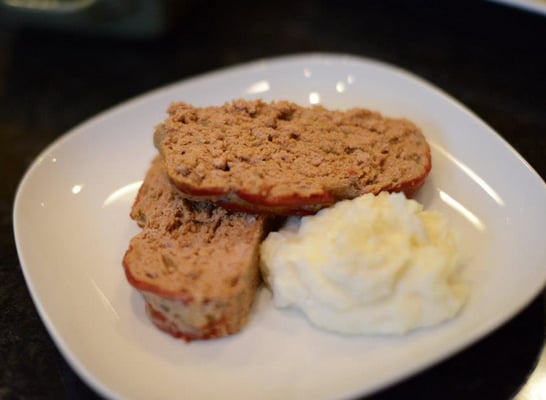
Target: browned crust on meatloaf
{"points": [[282, 158], [196, 264]]}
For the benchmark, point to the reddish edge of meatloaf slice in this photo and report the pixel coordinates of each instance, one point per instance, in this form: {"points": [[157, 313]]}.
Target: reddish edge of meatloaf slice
{"points": [[281, 158], [196, 264]]}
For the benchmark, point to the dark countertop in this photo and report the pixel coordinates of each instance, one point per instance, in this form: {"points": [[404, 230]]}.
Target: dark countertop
{"points": [[490, 57]]}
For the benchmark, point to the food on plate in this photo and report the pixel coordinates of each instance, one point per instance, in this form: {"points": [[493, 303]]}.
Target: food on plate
{"points": [[374, 264], [282, 158], [367, 262], [196, 264]]}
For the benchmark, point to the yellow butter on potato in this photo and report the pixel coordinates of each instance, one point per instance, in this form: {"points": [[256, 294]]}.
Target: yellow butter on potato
{"points": [[371, 265]]}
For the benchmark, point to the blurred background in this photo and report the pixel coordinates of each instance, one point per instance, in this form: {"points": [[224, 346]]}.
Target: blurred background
{"points": [[63, 61]]}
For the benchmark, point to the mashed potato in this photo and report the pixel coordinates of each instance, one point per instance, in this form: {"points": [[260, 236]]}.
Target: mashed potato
{"points": [[375, 264]]}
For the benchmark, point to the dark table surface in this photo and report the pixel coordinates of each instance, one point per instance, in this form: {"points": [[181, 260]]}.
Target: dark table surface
{"points": [[490, 57]]}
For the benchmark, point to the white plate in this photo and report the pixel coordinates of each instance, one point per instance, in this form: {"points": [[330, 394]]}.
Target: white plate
{"points": [[72, 227], [537, 6]]}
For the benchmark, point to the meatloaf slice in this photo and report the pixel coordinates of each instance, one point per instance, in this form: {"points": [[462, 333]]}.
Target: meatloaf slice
{"points": [[282, 158], [196, 264]]}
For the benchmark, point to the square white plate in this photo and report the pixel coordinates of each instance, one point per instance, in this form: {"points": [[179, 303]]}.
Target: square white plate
{"points": [[72, 227]]}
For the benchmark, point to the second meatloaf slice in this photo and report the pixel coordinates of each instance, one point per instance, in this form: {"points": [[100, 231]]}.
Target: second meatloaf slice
{"points": [[196, 264], [282, 158]]}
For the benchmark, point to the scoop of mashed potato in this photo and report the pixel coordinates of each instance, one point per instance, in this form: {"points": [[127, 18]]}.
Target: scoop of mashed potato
{"points": [[371, 265]]}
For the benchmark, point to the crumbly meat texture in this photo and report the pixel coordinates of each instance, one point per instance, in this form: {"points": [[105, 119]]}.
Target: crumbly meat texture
{"points": [[282, 158], [195, 263]]}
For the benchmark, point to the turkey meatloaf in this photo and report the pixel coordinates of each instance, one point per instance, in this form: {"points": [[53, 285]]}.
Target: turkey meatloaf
{"points": [[282, 158], [196, 264]]}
